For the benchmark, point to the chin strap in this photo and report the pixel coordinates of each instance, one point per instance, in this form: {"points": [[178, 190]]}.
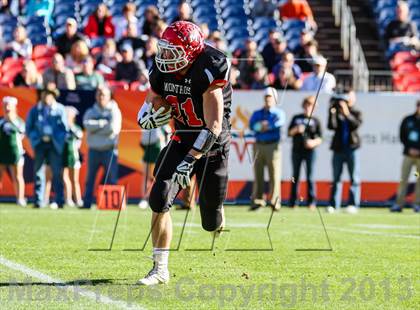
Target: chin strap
{"points": [[204, 141]]}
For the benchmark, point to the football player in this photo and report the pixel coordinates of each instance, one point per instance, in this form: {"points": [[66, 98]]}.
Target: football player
{"points": [[193, 78]]}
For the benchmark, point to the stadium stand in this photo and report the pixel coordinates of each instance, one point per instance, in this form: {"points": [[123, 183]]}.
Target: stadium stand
{"points": [[402, 58], [235, 20]]}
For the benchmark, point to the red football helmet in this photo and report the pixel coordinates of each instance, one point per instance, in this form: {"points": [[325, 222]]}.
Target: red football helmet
{"points": [[180, 45]]}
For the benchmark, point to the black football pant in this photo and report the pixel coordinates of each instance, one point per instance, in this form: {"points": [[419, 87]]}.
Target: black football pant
{"points": [[212, 177]]}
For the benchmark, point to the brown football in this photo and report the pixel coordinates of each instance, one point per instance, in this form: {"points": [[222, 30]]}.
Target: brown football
{"points": [[158, 102]]}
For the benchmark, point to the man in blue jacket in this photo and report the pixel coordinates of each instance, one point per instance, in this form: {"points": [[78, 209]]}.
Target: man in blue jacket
{"points": [[266, 124], [46, 128]]}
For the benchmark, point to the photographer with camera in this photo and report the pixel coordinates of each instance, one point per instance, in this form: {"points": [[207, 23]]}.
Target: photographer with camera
{"points": [[344, 119]]}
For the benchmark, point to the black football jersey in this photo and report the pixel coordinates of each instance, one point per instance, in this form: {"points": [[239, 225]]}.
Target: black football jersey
{"points": [[185, 94]]}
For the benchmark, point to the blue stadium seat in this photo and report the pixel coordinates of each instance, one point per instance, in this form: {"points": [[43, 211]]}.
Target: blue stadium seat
{"points": [[35, 20], [262, 43], [145, 2], [58, 31], [201, 3], [120, 3], [204, 11], [261, 34], [39, 40], [168, 3], [61, 8], [97, 42], [264, 22], [90, 2], [31, 28], [7, 36], [231, 11], [116, 9], [233, 5], [234, 22], [292, 23], [170, 13], [88, 9], [236, 44], [61, 19], [293, 43], [237, 32]]}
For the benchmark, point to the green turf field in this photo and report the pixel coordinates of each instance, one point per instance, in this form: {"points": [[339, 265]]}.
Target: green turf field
{"points": [[374, 262]]}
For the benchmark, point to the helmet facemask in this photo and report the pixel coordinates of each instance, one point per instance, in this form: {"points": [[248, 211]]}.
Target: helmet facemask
{"points": [[170, 58]]}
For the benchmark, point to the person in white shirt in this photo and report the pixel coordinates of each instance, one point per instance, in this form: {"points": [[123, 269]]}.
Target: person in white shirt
{"points": [[313, 80], [121, 24], [21, 46]]}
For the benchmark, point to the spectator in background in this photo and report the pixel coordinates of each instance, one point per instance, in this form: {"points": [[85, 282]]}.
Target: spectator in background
{"points": [[215, 39], [58, 74], [184, 13], [40, 8], [65, 42], [71, 159], [12, 130], [132, 38], [205, 30], [21, 46], [410, 138], [102, 123], [297, 9], [306, 36], [273, 51], [313, 81], [108, 59], [150, 51], [143, 81], [128, 69], [344, 119], [286, 80], [29, 77], [78, 54], [234, 77], [5, 7], [46, 127], [249, 61], [100, 23], [260, 80], [88, 79], [305, 130], [151, 15], [401, 33], [265, 124], [159, 28], [121, 24], [263, 8], [287, 73], [306, 58]]}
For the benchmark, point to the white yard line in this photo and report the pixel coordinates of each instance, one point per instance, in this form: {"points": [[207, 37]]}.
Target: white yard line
{"points": [[366, 232], [95, 296], [385, 226]]}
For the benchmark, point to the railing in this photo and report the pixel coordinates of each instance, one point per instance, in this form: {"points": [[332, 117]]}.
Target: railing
{"points": [[352, 49], [379, 80]]}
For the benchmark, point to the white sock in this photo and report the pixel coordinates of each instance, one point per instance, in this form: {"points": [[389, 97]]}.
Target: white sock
{"points": [[160, 257]]}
